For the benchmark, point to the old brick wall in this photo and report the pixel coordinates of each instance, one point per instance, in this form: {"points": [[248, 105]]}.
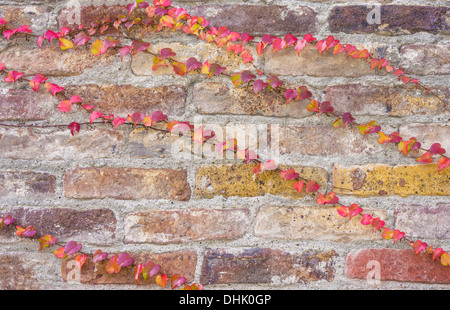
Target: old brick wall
{"points": [[210, 219]]}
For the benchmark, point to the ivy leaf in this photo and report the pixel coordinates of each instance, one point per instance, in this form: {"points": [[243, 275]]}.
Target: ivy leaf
{"points": [[179, 68], [99, 256], [13, 76], [192, 64], [443, 163], [354, 210], [81, 39], [74, 127], [312, 186], [161, 280], [419, 246], [445, 259], [330, 198], [176, 281], [298, 186], [6, 220], [137, 118], [95, 115], [46, 241], [289, 174], [367, 219], [436, 149], [37, 80], [25, 232], [397, 235], [387, 233], [111, 266], [125, 51], [65, 44], [150, 269], [138, 272], [139, 46], [426, 158], [124, 260], [98, 48], [437, 253], [80, 260]]}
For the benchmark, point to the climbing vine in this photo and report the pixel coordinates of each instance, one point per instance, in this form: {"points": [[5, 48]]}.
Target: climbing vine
{"points": [[161, 15]]}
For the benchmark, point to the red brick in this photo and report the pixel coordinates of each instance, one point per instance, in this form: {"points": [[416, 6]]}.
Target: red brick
{"points": [[257, 265], [27, 184], [21, 104], [126, 183], [385, 100], [397, 265], [259, 19], [324, 140], [423, 221], [123, 100], [28, 271], [52, 61], [25, 143], [425, 59], [162, 227], [178, 262], [95, 226], [395, 19]]}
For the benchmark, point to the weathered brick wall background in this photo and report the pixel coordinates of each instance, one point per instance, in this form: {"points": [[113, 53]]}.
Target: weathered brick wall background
{"points": [[210, 219]]}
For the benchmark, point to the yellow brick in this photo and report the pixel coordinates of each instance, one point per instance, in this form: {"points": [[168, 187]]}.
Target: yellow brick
{"points": [[239, 180], [384, 180]]}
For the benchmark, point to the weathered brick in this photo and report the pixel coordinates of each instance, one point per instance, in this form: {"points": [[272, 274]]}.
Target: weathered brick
{"points": [[312, 223], [27, 184], [25, 143], [384, 180], [178, 262], [310, 62], [397, 265], [96, 226], [35, 16], [123, 100], [23, 104], [324, 140], [259, 19], [425, 59], [52, 61], [126, 183], [239, 180], [162, 227], [395, 19], [423, 221], [217, 98], [142, 62], [89, 14], [28, 271], [385, 100], [263, 265], [427, 134]]}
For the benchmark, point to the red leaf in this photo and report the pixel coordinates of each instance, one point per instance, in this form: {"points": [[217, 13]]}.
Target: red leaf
{"points": [[99, 256], [367, 219], [179, 68], [74, 127], [37, 80], [95, 115], [176, 281], [111, 266], [312, 186], [125, 51], [80, 260], [419, 246], [397, 235], [425, 158], [298, 186], [354, 210], [137, 272], [289, 174], [330, 198], [443, 163], [161, 280], [436, 149]]}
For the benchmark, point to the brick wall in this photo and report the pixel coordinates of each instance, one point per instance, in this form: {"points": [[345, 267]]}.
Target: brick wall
{"points": [[211, 219]]}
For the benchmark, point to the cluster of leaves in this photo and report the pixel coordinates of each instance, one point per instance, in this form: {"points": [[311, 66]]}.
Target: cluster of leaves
{"points": [[114, 263], [161, 15]]}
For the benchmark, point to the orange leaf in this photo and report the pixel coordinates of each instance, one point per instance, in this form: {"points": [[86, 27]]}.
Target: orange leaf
{"points": [[161, 280], [65, 44], [80, 260], [443, 163], [299, 186]]}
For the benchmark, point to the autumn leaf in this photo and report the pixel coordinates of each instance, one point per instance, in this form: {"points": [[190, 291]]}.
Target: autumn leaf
{"points": [[37, 80], [95, 115], [426, 158], [25, 232], [98, 48], [289, 174], [46, 241], [74, 127], [179, 68], [397, 235], [99, 256], [161, 280], [312, 186], [298, 186], [443, 163], [65, 44], [367, 219], [330, 198], [80, 260], [419, 246], [176, 281]]}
